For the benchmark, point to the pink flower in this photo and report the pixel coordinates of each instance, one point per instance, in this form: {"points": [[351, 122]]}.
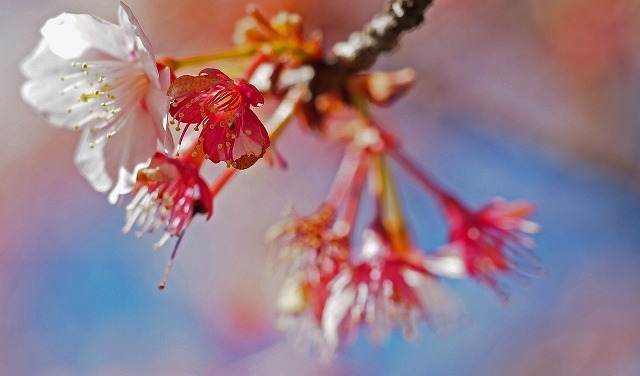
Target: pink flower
{"points": [[310, 244], [492, 240], [231, 131], [169, 192], [310, 252], [102, 79], [382, 289]]}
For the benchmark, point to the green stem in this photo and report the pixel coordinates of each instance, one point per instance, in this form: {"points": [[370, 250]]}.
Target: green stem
{"points": [[392, 214], [178, 63]]}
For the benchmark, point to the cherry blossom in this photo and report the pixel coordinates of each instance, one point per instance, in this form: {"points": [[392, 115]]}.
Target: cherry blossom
{"points": [[231, 131], [339, 274], [382, 288], [310, 243], [100, 78], [169, 192], [492, 240]]}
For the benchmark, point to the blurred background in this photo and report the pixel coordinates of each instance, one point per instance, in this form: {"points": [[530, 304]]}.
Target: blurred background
{"points": [[524, 99]]}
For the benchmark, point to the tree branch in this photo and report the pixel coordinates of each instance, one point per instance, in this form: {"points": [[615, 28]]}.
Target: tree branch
{"points": [[381, 34]]}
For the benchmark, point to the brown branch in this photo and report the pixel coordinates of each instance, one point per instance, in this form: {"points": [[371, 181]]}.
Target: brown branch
{"points": [[381, 34], [357, 54]]}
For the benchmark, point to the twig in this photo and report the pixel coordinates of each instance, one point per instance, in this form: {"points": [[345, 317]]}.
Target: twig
{"points": [[381, 34]]}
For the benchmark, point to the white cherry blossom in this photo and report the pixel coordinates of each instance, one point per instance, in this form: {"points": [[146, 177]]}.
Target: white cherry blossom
{"points": [[89, 75]]}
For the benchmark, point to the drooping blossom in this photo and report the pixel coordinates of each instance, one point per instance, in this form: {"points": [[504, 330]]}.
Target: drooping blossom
{"points": [[102, 79], [311, 244], [382, 289], [492, 240], [310, 250], [168, 193], [221, 106]]}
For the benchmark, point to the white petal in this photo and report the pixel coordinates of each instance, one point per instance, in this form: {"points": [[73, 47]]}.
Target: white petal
{"points": [[157, 104], [130, 150], [528, 227], [90, 74], [142, 44], [59, 83], [42, 61], [447, 262], [59, 100], [372, 244], [291, 297], [74, 36], [120, 157], [91, 163], [335, 310]]}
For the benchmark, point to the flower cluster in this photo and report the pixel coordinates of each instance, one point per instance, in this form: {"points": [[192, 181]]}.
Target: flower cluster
{"points": [[103, 79], [148, 132]]}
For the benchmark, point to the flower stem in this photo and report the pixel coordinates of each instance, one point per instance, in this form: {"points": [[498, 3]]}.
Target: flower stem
{"points": [[355, 192], [421, 176], [178, 63], [222, 181], [391, 210], [284, 112], [345, 175]]}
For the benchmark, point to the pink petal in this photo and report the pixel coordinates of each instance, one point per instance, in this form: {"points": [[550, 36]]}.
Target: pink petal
{"points": [[252, 141]]}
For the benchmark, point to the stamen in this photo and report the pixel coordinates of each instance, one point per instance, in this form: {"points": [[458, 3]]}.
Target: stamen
{"points": [[163, 283]]}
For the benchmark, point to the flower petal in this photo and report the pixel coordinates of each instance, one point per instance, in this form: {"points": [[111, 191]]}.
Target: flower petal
{"points": [[88, 74], [73, 36], [251, 93], [91, 164], [215, 144], [142, 43], [252, 141], [118, 157], [190, 85]]}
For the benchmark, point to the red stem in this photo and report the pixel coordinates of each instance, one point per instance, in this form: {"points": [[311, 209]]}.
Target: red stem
{"points": [[345, 176], [355, 192], [222, 181], [422, 176]]}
